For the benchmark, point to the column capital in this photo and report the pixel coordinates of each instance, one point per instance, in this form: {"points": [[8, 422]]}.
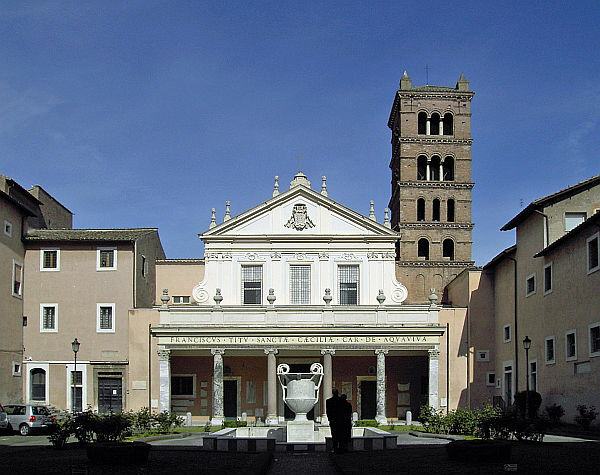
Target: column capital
{"points": [[164, 354], [434, 353], [382, 351], [328, 351], [271, 351], [217, 351]]}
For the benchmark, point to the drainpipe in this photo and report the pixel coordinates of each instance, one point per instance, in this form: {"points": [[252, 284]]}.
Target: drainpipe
{"points": [[150, 367], [516, 329], [546, 228]]}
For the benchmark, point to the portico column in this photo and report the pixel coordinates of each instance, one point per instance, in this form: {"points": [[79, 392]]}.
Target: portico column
{"points": [[380, 417], [441, 126], [428, 126], [434, 355], [442, 170], [428, 174], [217, 415], [327, 380], [164, 367], [271, 386]]}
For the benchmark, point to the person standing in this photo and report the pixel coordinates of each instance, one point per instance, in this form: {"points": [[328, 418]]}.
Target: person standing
{"points": [[332, 409], [344, 423]]}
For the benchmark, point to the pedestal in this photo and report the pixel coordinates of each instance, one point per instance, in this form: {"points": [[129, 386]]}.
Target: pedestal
{"points": [[300, 431]]}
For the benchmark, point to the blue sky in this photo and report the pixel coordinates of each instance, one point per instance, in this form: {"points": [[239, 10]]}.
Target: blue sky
{"points": [[149, 113]]}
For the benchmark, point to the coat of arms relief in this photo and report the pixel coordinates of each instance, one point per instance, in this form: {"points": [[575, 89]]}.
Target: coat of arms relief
{"points": [[299, 219]]}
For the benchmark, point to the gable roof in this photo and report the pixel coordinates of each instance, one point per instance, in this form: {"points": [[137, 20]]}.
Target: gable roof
{"points": [[122, 235], [593, 220], [500, 257], [544, 201], [295, 191]]}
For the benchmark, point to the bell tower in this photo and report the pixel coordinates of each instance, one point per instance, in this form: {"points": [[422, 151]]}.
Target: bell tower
{"points": [[431, 184]]}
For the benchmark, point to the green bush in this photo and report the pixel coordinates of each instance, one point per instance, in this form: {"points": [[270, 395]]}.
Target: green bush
{"points": [[112, 427], [83, 426], [461, 422], [586, 416], [555, 413], [142, 420], [164, 422], [433, 420], [535, 401], [61, 430], [366, 423]]}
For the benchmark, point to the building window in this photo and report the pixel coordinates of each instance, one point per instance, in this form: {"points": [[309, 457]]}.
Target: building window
{"points": [[508, 384], [38, 384], [16, 368], [50, 260], [144, 266], [549, 345], [181, 299], [448, 169], [76, 389], [434, 124], [490, 379], [571, 345], [448, 249], [572, 220], [593, 253], [434, 168], [448, 123], [530, 285], [8, 227], [348, 278], [482, 355], [507, 334], [420, 209], [49, 317], [450, 210], [547, 278], [435, 214], [422, 123], [595, 339], [252, 285], [300, 285], [106, 259], [533, 375], [183, 385], [423, 249], [17, 279], [422, 168], [105, 318]]}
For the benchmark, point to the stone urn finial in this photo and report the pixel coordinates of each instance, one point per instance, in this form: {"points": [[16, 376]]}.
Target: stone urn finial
{"points": [[227, 216], [164, 298], [324, 185], [218, 298], [372, 210], [213, 218], [381, 297], [386, 218], [327, 298], [433, 298], [276, 186], [271, 297]]}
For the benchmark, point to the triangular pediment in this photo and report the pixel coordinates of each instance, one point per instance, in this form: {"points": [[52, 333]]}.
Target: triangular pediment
{"points": [[299, 213]]}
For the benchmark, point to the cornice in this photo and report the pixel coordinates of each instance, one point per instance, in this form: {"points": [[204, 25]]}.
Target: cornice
{"points": [[465, 95], [436, 184], [436, 141], [433, 225], [460, 264]]}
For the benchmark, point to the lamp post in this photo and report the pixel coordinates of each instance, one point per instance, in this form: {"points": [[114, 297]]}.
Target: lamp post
{"points": [[526, 346], [75, 347]]}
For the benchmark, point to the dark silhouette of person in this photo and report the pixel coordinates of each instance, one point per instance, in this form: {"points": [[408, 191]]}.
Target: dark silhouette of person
{"points": [[344, 423], [332, 409]]}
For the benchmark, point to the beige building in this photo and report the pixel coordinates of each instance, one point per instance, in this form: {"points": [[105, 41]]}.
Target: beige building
{"points": [[82, 283]]}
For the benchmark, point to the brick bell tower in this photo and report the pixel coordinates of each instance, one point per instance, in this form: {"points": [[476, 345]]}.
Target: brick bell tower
{"points": [[431, 184]]}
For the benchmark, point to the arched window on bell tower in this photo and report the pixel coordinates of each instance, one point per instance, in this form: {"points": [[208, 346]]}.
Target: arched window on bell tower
{"points": [[435, 215], [435, 168], [450, 210], [448, 169], [448, 249], [422, 168], [448, 124], [423, 249], [422, 123], [421, 209], [434, 124]]}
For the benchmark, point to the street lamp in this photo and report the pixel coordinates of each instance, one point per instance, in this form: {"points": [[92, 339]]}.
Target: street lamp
{"points": [[527, 346], [75, 347]]}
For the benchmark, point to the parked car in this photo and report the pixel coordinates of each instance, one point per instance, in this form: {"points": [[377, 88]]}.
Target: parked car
{"points": [[3, 419], [27, 417]]}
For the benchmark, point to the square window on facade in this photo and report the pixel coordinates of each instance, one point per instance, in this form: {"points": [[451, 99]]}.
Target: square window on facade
{"points": [[530, 285], [299, 285], [182, 385], [181, 299], [252, 285], [507, 333], [49, 317], [571, 345], [548, 279], [491, 379], [17, 275], [482, 355], [106, 317], [593, 253], [50, 260], [549, 350], [533, 375], [107, 259], [8, 228], [16, 368], [348, 278], [595, 339], [572, 220]]}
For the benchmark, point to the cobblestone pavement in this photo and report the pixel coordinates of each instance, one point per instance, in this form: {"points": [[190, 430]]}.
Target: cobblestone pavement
{"points": [[289, 463]]}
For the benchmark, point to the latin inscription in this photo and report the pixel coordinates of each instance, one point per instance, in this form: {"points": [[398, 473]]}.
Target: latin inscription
{"points": [[297, 340]]}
